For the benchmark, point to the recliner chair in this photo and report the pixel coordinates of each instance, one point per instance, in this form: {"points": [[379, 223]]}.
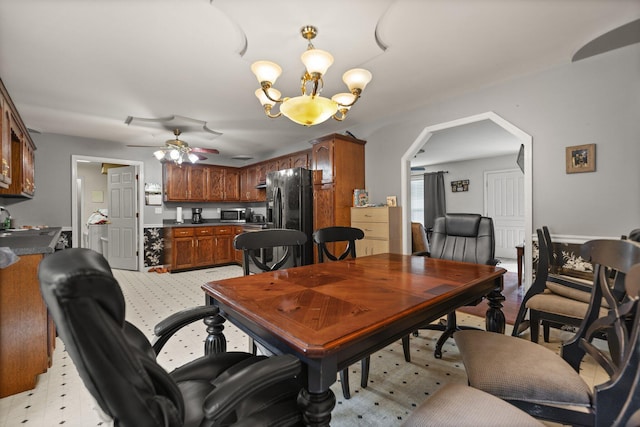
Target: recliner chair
{"points": [[460, 237], [118, 364]]}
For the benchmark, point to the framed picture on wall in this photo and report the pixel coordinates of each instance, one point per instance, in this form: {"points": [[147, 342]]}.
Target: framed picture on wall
{"points": [[581, 158]]}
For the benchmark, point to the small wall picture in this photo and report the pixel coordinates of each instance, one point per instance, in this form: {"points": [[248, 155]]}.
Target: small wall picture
{"points": [[392, 201], [461, 185], [581, 158]]}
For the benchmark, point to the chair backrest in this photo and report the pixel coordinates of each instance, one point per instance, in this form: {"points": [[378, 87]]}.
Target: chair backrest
{"points": [[419, 242], [337, 234], [253, 242], [464, 237], [613, 261], [88, 309]]}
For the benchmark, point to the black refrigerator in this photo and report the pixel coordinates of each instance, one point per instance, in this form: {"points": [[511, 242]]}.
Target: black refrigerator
{"points": [[290, 205]]}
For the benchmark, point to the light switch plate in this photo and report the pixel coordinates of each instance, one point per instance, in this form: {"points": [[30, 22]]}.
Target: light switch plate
{"points": [[158, 210]]}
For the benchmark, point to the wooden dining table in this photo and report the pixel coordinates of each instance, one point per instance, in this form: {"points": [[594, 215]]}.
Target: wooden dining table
{"points": [[334, 314]]}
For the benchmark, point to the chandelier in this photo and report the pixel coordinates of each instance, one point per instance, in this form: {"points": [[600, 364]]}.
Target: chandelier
{"points": [[309, 108]]}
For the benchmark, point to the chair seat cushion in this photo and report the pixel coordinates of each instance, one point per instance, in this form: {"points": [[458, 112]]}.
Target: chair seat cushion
{"points": [[549, 302], [517, 369], [458, 405]]}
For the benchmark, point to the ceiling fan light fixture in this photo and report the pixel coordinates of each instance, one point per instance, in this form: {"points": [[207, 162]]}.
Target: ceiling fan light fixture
{"points": [[159, 154], [193, 158], [310, 108]]}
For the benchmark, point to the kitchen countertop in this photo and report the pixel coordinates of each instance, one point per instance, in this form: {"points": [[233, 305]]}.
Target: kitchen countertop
{"points": [[210, 223], [31, 241]]}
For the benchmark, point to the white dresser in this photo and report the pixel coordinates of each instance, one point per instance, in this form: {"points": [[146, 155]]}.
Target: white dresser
{"points": [[382, 229]]}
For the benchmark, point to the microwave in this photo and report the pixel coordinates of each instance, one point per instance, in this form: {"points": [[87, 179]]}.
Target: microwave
{"points": [[234, 215]]}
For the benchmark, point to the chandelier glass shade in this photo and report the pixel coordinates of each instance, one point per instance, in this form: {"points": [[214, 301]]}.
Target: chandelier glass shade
{"points": [[309, 108]]}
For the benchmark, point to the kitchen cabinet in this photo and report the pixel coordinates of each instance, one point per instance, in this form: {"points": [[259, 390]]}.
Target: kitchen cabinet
{"points": [[249, 179], [283, 163], [339, 164], [193, 247], [300, 160], [17, 152], [382, 229], [237, 254], [231, 184]]}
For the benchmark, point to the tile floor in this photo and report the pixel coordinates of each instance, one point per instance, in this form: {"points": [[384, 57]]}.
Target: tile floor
{"points": [[395, 387]]}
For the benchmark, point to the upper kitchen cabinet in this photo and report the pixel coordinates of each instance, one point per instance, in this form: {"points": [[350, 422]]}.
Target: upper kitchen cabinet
{"points": [[231, 184], [339, 162], [249, 180], [186, 183], [300, 160], [17, 154]]}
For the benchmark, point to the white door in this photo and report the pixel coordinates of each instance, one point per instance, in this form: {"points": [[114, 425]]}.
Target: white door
{"points": [[122, 232], [504, 202]]}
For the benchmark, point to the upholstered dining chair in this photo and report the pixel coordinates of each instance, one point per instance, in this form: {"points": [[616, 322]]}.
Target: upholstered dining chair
{"points": [[280, 243], [548, 385], [349, 235], [460, 237], [118, 364]]}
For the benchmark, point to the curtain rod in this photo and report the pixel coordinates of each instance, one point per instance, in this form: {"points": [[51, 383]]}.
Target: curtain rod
{"points": [[431, 173]]}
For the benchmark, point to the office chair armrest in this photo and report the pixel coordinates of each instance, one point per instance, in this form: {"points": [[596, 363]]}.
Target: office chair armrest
{"points": [[253, 378], [172, 324], [493, 262]]}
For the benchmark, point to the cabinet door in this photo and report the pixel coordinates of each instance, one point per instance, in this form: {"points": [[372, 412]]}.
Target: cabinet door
{"points": [[366, 247], [237, 254], [198, 179], [216, 183], [231, 184], [223, 247], [203, 251], [283, 163], [182, 253], [28, 169], [5, 142], [176, 183], [300, 160], [322, 159]]}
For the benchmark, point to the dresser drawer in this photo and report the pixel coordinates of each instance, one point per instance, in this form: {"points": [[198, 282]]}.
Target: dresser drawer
{"points": [[373, 230], [182, 232], [370, 214]]}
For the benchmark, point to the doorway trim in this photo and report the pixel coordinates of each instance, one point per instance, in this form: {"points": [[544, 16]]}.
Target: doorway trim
{"points": [[75, 233], [524, 138]]}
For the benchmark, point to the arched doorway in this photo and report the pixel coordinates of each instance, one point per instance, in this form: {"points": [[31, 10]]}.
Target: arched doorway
{"points": [[522, 137]]}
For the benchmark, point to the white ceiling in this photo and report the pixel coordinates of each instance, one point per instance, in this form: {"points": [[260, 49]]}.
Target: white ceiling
{"points": [[82, 67]]}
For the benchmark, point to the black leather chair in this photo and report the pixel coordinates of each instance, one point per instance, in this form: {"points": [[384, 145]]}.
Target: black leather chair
{"points": [[281, 245], [459, 237], [321, 238], [118, 364], [548, 385]]}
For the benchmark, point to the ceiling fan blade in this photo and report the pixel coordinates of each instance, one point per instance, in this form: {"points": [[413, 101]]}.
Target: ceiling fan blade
{"points": [[147, 146], [201, 157], [204, 150]]}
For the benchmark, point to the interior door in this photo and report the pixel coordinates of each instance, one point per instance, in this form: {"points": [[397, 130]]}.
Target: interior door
{"points": [[504, 202], [122, 231]]}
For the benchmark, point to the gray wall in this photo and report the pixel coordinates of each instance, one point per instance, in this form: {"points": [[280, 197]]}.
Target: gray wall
{"points": [[596, 100], [473, 200]]}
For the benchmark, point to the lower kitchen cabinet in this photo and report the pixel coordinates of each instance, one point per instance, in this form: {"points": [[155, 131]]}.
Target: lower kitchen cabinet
{"points": [[193, 247]]}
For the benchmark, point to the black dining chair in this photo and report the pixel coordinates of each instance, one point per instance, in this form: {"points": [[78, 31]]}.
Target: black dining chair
{"points": [[459, 237], [322, 238], [118, 364], [268, 250], [548, 385]]}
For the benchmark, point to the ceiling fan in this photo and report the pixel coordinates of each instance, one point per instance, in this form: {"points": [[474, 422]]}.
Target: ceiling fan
{"points": [[179, 151]]}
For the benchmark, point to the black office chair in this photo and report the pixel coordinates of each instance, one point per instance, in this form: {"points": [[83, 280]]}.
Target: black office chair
{"points": [[278, 244], [118, 364], [548, 385], [322, 237], [459, 237]]}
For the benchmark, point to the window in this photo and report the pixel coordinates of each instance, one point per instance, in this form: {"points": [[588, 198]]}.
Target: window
{"points": [[417, 199]]}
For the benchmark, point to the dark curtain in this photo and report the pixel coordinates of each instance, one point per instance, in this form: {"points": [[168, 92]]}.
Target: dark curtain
{"points": [[434, 201]]}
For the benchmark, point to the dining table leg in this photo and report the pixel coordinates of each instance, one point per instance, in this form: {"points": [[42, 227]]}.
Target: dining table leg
{"points": [[316, 407], [495, 321]]}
